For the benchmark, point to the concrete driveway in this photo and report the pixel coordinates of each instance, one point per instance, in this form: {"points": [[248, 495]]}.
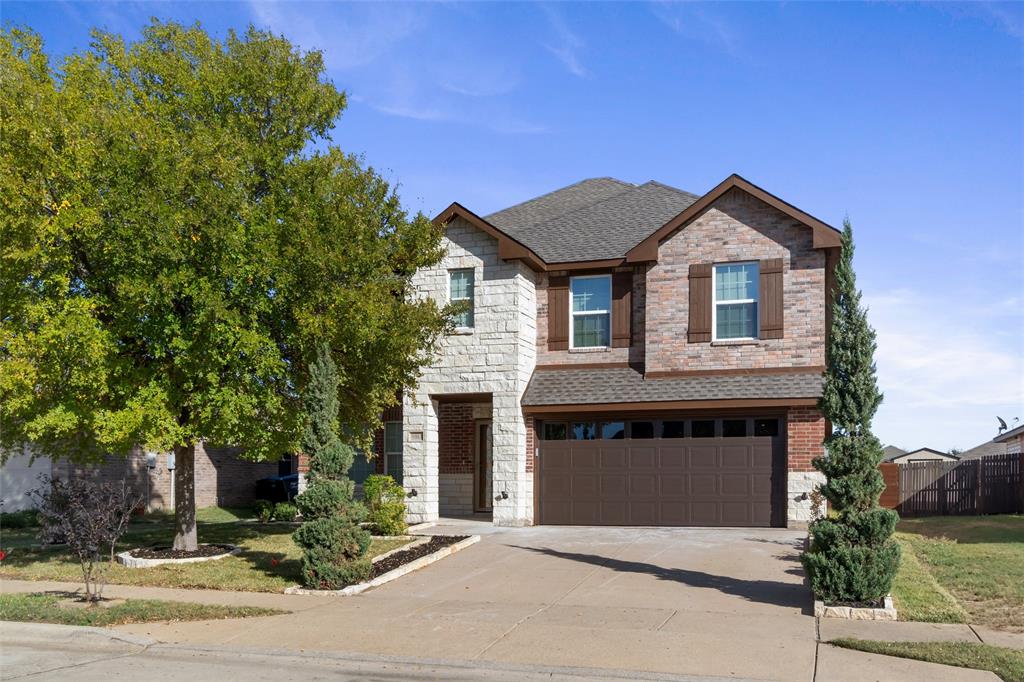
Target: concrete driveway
{"points": [[715, 602]]}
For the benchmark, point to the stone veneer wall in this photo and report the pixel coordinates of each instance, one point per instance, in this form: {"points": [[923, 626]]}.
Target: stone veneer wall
{"points": [[737, 227], [497, 358], [805, 432], [633, 354]]}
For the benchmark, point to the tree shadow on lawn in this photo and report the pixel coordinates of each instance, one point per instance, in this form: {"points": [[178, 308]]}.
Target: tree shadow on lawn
{"points": [[792, 595]]}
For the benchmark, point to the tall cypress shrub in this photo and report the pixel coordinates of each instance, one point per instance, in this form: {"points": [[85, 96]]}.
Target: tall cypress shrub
{"points": [[852, 557], [333, 544]]}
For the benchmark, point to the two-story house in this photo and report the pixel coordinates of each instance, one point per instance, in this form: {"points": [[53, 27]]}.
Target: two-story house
{"points": [[629, 355]]}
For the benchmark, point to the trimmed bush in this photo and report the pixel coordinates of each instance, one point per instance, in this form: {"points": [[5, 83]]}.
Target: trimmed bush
{"points": [[385, 502], [264, 510], [333, 553], [285, 511], [326, 497]]}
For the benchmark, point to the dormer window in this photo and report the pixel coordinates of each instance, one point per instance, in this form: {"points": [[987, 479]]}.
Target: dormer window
{"points": [[735, 301], [590, 311]]}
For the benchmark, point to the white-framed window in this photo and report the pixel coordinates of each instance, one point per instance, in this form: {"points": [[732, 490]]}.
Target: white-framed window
{"points": [[590, 311], [461, 289], [734, 301], [393, 450]]}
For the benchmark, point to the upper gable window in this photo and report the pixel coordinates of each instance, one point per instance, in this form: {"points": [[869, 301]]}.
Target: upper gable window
{"points": [[591, 311], [461, 289], [735, 301]]}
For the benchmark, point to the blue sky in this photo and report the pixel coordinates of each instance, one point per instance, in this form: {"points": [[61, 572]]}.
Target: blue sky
{"points": [[908, 118]]}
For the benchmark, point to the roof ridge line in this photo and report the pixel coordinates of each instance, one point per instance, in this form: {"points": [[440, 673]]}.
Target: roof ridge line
{"points": [[625, 184], [674, 189]]}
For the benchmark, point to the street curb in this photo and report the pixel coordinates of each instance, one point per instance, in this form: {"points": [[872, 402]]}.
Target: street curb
{"points": [[391, 575], [12, 632]]}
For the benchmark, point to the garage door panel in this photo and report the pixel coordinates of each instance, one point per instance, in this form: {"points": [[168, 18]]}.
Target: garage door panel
{"points": [[643, 485], [586, 486], [735, 485], [703, 457], [684, 481], [670, 457], [642, 458]]}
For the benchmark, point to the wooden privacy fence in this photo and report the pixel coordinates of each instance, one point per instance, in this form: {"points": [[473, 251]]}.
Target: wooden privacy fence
{"points": [[988, 485]]}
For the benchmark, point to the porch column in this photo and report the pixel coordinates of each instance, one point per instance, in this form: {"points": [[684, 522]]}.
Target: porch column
{"points": [[419, 458], [515, 507]]}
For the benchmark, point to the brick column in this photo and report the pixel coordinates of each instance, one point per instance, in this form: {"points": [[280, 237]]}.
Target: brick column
{"points": [[303, 468], [805, 432]]}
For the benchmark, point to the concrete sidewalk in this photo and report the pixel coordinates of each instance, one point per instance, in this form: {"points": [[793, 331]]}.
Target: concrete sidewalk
{"points": [[902, 631]]}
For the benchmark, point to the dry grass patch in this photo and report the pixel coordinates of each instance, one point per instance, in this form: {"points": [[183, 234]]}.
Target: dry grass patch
{"points": [[56, 608]]}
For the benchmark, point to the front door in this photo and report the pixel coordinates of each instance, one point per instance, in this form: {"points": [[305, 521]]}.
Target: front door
{"points": [[484, 467]]}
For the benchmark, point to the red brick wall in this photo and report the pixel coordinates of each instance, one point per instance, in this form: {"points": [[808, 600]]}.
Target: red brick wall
{"points": [[222, 478], [455, 433], [805, 432], [737, 227]]}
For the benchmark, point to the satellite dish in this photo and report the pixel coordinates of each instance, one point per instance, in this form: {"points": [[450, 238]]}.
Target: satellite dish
{"points": [[1002, 424]]}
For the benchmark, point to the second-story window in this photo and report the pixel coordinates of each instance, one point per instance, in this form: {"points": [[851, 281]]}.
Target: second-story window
{"points": [[735, 301], [461, 291], [590, 311]]}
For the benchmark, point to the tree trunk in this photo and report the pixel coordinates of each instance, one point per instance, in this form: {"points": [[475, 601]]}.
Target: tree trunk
{"points": [[185, 535]]}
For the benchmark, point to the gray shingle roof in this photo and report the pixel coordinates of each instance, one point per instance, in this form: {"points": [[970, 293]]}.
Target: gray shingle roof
{"points": [[984, 450], [588, 386], [595, 219], [892, 452]]}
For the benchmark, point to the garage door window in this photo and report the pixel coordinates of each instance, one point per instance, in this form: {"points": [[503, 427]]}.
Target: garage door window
{"points": [[766, 427], [584, 430], [673, 429], [734, 428], [555, 431], [613, 430], [702, 428], [641, 430]]}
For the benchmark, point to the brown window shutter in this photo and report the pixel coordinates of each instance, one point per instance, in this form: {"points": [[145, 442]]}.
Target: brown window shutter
{"points": [[622, 308], [770, 307], [558, 313], [699, 328]]}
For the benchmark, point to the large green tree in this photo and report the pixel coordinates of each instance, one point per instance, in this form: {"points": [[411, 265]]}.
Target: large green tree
{"points": [[853, 557], [178, 235]]}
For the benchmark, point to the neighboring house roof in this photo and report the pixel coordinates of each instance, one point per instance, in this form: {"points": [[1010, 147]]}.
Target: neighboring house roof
{"points": [[618, 386], [984, 450], [562, 227], [892, 452], [604, 222], [911, 453], [1012, 433]]}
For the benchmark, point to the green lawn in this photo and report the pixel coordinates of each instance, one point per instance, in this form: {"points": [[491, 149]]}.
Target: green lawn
{"points": [[47, 608], [1008, 664], [269, 561], [962, 569]]}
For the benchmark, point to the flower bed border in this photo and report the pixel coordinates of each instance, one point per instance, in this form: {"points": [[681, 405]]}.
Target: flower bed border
{"points": [[396, 573], [886, 612], [130, 561]]}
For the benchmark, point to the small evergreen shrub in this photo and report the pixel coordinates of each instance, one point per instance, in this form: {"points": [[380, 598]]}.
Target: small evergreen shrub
{"points": [[333, 552], [285, 511], [325, 497], [264, 510], [385, 502]]}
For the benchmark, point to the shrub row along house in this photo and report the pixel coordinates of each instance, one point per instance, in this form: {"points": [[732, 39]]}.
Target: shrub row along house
{"points": [[626, 355]]}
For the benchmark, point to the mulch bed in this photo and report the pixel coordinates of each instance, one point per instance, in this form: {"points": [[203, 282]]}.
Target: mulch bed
{"points": [[406, 556], [171, 553]]}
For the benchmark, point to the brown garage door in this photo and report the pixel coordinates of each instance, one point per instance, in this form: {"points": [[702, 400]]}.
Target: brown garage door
{"points": [[657, 482]]}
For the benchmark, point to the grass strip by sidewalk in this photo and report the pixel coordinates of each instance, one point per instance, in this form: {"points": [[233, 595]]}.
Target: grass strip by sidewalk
{"points": [[919, 596], [1008, 664], [46, 608]]}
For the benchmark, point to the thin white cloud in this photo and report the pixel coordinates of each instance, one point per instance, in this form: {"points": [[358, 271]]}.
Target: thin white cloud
{"points": [[695, 22], [569, 44], [947, 367]]}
